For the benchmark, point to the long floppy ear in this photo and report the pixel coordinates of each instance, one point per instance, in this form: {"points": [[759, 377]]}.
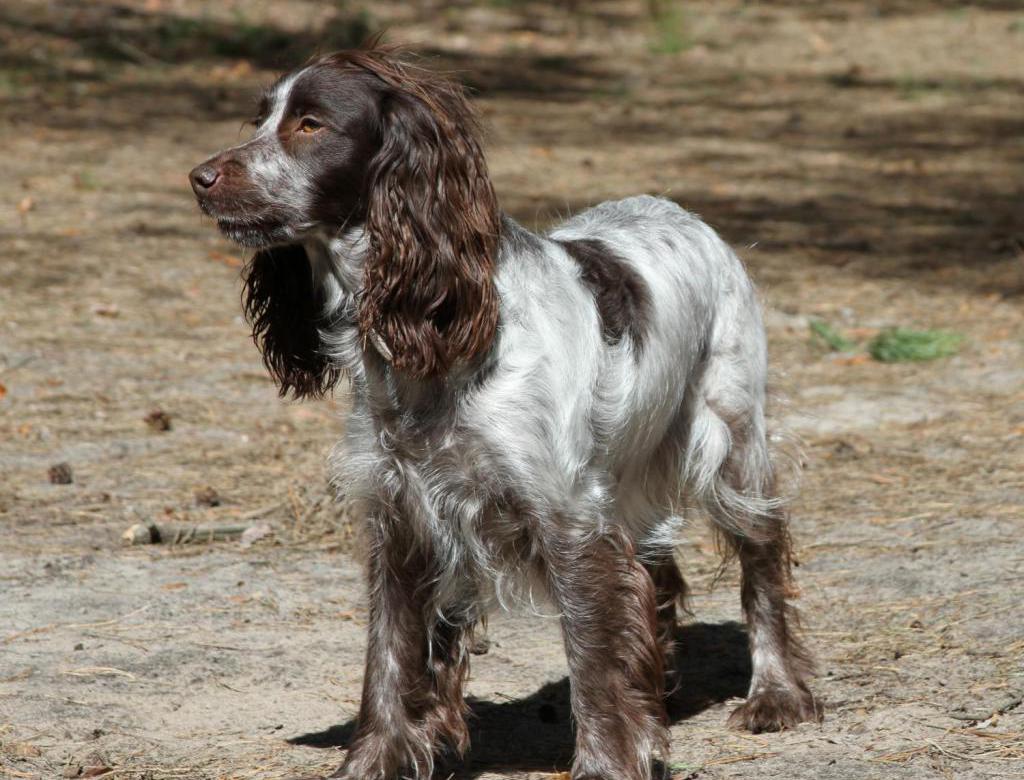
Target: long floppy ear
{"points": [[285, 310], [432, 223]]}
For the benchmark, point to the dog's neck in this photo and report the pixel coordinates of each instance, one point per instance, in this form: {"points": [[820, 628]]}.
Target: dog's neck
{"points": [[337, 261]]}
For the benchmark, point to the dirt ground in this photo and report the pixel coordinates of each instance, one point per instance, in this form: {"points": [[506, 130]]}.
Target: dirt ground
{"points": [[868, 158]]}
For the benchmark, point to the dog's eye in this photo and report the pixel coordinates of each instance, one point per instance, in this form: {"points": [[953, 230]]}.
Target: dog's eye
{"points": [[309, 125]]}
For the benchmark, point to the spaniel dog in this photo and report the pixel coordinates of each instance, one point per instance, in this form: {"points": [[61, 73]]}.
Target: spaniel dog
{"points": [[529, 412]]}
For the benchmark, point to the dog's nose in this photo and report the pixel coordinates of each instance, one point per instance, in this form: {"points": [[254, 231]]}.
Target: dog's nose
{"points": [[203, 177]]}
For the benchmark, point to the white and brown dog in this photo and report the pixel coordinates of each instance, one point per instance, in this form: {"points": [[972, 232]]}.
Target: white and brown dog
{"points": [[525, 408]]}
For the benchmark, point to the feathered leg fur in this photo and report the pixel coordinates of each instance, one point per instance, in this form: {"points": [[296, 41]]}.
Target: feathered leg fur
{"points": [[416, 665], [616, 663], [746, 510]]}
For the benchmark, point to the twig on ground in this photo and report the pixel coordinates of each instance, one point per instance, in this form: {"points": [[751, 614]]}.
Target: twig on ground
{"points": [[159, 533]]}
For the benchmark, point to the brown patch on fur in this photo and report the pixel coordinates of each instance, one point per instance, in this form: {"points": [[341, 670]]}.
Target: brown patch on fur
{"points": [[432, 220], [621, 295]]}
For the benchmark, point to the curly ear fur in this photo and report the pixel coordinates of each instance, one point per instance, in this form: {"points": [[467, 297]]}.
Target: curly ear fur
{"points": [[285, 311], [432, 224]]}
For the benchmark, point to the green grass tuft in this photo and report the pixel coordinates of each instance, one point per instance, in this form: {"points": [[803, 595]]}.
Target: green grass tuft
{"points": [[671, 34], [900, 345], [86, 180], [831, 337]]}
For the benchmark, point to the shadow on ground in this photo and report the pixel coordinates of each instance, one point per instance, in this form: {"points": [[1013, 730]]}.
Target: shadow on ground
{"points": [[905, 194], [535, 733], [105, 37]]}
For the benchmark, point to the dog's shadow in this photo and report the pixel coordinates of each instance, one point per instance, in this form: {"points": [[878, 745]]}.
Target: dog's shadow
{"points": [[535, 733]]}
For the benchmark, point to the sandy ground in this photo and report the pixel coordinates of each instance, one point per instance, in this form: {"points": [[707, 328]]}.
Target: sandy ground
{"points": [[867, 157]]}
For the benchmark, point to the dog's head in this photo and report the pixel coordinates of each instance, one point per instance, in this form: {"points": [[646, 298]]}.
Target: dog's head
{"points": [[306, 165], [364, 139]]}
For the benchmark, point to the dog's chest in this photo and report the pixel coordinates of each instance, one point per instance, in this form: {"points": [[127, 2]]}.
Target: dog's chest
{"points": [[457, 497], [442, 472]]}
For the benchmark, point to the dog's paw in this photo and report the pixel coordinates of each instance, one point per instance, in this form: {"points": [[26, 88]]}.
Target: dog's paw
{"points": [[775, 709], [360, 767]]}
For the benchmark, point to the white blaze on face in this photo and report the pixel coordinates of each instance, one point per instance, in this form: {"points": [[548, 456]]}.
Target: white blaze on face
{"points": [[281, 178]]}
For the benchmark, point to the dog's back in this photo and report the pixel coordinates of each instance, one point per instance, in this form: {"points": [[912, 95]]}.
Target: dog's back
{"points": [[639, 328]]}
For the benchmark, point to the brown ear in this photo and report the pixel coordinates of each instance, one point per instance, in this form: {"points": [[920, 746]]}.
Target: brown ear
{"points": [[433, 226], [285, 311]]}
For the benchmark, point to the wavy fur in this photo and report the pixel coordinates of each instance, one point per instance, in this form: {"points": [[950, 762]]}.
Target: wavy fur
{"points": [[432, 223]]}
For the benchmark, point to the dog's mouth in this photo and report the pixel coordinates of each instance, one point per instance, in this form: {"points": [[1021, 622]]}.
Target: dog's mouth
{"points": [[256, 230], [251, 232], [250, 222]]}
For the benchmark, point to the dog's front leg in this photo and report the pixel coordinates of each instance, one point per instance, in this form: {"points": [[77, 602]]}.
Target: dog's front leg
{"points": [[616, 664], [412, 694]]}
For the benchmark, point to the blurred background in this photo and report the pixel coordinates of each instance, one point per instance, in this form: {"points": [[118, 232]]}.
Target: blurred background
{"points": [[865, 158]]}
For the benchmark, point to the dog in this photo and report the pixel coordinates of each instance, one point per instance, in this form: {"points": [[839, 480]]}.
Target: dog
{"points": [[529, 412]]}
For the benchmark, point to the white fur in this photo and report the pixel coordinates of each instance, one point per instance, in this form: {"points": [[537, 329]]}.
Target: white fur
{"points": [[570, 426]]}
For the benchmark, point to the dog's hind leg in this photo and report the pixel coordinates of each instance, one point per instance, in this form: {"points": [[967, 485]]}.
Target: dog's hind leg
{"points": [[779, 696], [445, 718], [736, 485], [670, 596]]}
